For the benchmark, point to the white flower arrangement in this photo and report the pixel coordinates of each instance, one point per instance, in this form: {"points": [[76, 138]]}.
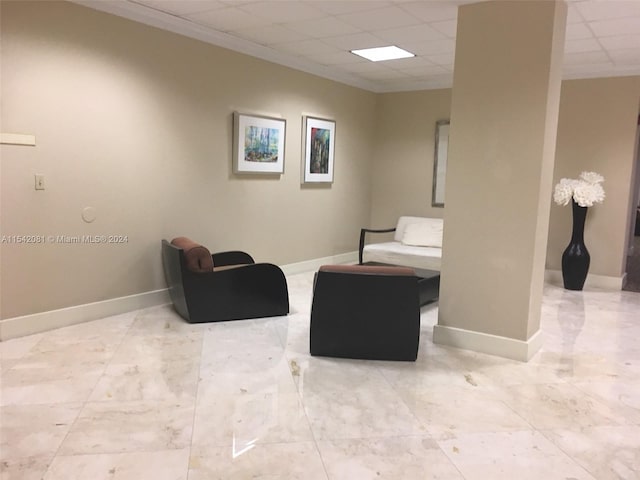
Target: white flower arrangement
{"points": [[585, 190]]}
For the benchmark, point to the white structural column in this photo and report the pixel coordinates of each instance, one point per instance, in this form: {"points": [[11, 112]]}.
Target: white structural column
{"points": [[504, 117]]}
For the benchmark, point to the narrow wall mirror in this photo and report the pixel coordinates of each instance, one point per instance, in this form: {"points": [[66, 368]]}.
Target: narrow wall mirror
{"points": [[440, 162]]}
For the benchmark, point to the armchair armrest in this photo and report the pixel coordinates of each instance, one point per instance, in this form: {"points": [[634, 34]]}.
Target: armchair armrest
{"points": [[363, 231], [234, 257], [249, 291]]}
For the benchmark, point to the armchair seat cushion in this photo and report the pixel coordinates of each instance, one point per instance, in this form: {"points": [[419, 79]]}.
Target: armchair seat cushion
{"points": [[369, 269]]}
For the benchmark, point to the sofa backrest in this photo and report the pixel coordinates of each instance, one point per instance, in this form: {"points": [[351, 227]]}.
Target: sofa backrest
{"points": [[435, 223]]}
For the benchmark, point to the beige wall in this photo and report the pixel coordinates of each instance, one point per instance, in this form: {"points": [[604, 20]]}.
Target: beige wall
{"points": [[597, 131], [597, 125], [137, 123], [403, 157]]}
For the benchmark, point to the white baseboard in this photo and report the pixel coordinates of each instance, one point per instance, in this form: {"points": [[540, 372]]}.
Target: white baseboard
{"points": [[314, 264], [44, 321], [487, 343], [602, 282]]}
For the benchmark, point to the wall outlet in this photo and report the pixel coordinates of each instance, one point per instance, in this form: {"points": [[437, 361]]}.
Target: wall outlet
{"points": [[39, 182]]}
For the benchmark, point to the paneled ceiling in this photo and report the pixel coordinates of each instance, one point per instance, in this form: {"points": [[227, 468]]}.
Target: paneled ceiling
{"points": [[316, 36]]}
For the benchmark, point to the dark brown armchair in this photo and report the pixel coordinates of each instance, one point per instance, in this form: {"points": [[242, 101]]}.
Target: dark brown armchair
{"points": [[366, 312], [223, 286]]}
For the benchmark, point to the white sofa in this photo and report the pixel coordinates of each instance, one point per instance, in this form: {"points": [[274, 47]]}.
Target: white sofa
{"points": [[417, 242]]}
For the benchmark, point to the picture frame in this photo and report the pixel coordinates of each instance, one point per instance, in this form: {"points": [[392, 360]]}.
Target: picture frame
{"points": [[258, 144], [318, 149], [440, 162]]}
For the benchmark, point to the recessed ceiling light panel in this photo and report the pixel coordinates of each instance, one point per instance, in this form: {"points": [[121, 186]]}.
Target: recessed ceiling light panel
{"points": [[380, 54]]}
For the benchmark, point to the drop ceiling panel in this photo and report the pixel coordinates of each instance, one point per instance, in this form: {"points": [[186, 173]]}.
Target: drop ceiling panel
{"points": [[594, 10], [408, 35], [618, 26], [338, 7], [315, 36], [183, 7], [432, 11], [582, 45], [269, 35], [307, 48], [621, 42], [324, 27], [625, 57], [283, 12], [228, 19], [578, 31], [355, 41], [447, 27], [382, 18], [582, 58]]}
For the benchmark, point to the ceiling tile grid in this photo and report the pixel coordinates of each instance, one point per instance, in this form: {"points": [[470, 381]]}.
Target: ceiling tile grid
{"points": [[602, 37]]}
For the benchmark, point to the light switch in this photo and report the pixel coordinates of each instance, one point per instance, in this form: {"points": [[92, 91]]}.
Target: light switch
{"points": [[39, 182]]}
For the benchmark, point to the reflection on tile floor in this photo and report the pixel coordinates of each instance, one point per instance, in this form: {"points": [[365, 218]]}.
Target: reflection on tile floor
{"points": [[145, 395]]}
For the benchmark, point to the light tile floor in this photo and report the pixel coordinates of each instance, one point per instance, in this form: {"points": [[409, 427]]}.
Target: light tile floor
{"points": [[145, 395]]}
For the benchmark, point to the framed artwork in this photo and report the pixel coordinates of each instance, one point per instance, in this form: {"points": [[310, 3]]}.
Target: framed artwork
{"points": [[319, 146], [440, 162], [258, 144]]}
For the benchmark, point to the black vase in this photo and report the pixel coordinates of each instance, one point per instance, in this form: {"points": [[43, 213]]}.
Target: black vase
{"points": [[576, 259]]}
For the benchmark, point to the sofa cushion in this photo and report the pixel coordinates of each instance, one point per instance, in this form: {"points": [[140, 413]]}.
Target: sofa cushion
{"points": [[403, 222], [423, 234], [395, 253], [197, 257]]}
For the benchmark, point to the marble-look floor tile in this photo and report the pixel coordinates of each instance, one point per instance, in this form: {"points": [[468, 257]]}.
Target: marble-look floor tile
{"points": [[245, 346], [294, 334], [244, 399], [319, 374], [158, 465], [489, 370], [152, 368], [275, 377], [34, 430], [525, 455], [16, 348], [291, 461], [24, 385], [447, 411], [580, 366], [104, 331], [608, 453], [559, 406], [115, 427], [29, 468], [389, 458], [622, 394], [162, 321], [355, 413], [430, 372], [57, 370], [249, 418]]}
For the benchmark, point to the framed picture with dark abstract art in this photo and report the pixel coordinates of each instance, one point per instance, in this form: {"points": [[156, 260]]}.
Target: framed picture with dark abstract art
{"points": [[319, 146]]}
